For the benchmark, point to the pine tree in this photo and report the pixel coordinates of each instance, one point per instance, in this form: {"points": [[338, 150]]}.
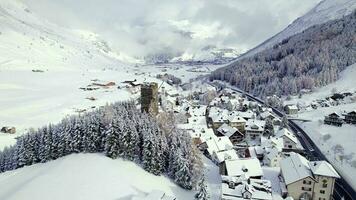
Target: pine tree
{"points": [[203, 193], [183, 176]]}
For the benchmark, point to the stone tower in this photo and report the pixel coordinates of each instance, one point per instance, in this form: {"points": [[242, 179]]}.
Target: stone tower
{"points": [[149, 98]]}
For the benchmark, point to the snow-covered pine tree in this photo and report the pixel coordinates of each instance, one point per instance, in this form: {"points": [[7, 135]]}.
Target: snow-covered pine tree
{"points": [[183, 176], [111, 143], [202, 193]]}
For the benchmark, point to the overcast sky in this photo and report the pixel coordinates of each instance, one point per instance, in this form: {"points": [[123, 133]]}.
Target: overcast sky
{"points": [[139, 27]]}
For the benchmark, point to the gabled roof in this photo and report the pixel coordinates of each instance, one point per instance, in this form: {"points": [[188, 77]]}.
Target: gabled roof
{"points": [[234, 117], [249, 167], [227, 130], [295, 168], [256, 125], [323, 168], [226, 155], [272, 153], [259, 189], [286, 133]]}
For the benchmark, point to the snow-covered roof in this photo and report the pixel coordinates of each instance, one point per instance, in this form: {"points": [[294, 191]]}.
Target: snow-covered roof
{"points": [[255, 125], [226, 155], [227, 130], [266, 114], [247, 115], [286, 133], [250, 167], [201, 120], [234, 117], [295, 168], [259, 189], [198, 111], [217, 144], [272, 142], [323, 168], [292, 107], [272, 153]]}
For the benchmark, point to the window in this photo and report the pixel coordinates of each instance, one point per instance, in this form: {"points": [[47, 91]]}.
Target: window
{"points": [[307, 182], [306, 189], [325, 183], [322, 191]]}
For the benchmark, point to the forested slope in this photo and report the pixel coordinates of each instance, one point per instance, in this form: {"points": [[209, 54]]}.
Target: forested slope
{"points": [[119, 131], [307, 60]]}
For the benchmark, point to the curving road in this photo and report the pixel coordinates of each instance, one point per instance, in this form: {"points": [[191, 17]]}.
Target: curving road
{"points": [[342, 190]]}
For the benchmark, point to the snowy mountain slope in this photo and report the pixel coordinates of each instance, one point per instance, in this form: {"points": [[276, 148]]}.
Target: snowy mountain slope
{"points": [[84, 177], [325, 11]]}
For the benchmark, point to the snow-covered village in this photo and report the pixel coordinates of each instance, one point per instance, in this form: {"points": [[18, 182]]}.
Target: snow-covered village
{"points": [[173, 100]]}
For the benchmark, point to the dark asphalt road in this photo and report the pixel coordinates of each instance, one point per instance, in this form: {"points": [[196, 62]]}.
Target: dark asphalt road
{"points": [[342, 189]]}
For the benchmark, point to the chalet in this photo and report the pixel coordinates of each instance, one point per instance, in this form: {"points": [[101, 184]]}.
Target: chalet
{"points": [[291, 109], [249, 167], [236, 121], [254, 129], [9, 130], [273, 157], [219, 157], [351, 117], [308, 180], [232, 133], [243, 188], [254, 152], [290, 141], [333, 119], [216, 144]]}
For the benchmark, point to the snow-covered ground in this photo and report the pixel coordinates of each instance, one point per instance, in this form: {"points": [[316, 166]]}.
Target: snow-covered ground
{"points": [[69, 59], [339, 136], [84, 177]]}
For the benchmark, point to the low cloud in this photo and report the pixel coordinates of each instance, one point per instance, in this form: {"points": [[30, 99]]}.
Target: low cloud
{"points": [[142, 27]]}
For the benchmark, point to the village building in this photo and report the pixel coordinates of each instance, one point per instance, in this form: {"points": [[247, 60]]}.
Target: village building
{"points": [[272, 157], [290, 141], [291, 109], [333, 119], [254, 152], [216, 144], [243, 188], [219, 157], [351, 117], [232, 133], [308, 180], [9, 130], [237, 121], [254, 130], [250, 167]]}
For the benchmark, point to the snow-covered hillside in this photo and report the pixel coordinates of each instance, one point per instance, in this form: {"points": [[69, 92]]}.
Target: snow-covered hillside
{"points": [[331, 139], [43, 66], [325, 11], [84, 177]]}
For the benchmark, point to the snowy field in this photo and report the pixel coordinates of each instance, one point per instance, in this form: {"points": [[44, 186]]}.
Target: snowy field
{"points": [[64, 61], [344, 158], [84, 177]]}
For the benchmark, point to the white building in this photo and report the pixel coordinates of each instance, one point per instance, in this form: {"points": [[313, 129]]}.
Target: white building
{"points": [[273, 157], [254, 130], [245, 188], [290, 141], [250, 167], [308, 180]]}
